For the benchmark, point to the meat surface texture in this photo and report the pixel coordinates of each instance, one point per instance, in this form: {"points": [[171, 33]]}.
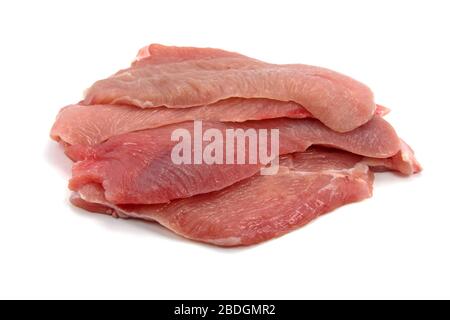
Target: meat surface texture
{"points": [[159, 54], [90, 125], [332, 139], [403, 162], [185, 77], [308, 185], [138, 168]]}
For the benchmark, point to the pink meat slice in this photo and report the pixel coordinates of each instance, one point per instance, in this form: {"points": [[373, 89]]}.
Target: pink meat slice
{"points": [[89, 125], [136, 168], [403, 162], [204, 77], [159, 54], [260, 208]]}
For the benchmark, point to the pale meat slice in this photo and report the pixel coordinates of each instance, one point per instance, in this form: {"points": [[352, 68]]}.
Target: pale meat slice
{"points": [[260, 208], [203, 78], [137, 167], [403, 162], [159, 54], [90, 125]]}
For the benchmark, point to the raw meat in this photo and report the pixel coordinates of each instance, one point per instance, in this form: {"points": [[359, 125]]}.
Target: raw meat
{"points": [[332, 138], [159, 54], [137, 167], [260, 208], [90, 125], [190, 77], [403, 162]]}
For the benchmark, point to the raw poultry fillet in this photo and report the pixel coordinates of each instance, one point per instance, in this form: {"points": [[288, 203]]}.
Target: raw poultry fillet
{"points": [[332, 138], [206, 77], [89, 125], [137, 167], [307, 185]]}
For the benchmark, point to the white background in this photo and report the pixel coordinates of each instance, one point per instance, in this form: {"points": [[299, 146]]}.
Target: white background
{"points": [[394, 245]]}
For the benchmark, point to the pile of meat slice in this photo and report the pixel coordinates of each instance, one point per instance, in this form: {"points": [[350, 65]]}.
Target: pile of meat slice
{"points": [[332, 138]]}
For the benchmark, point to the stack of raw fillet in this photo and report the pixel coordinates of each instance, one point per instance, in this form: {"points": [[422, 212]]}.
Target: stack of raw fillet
{"points": [[332, 138]]}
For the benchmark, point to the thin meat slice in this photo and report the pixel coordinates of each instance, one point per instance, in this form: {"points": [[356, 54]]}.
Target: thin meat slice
{"points": [[137, 168], [90, 125], [204, 78], [403, 162], [260, 208], [159, 54]]}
